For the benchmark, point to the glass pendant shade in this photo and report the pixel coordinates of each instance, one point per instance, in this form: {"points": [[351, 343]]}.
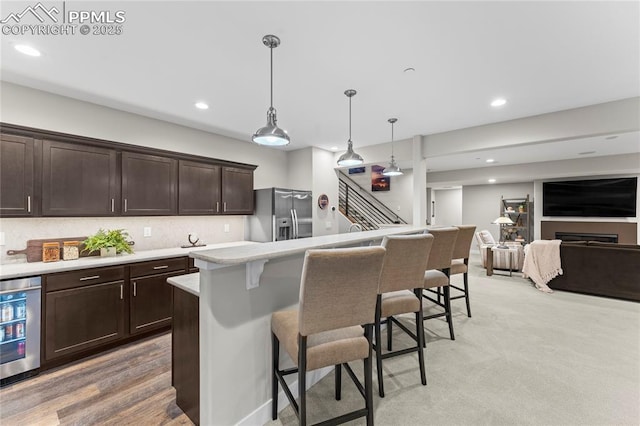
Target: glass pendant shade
{"points": [[271, 134], [350, 158], [392, 169]]}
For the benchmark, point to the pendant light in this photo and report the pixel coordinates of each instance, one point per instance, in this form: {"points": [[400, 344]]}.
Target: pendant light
{"points": [[393, 169], [271, 134], [350, 158]]}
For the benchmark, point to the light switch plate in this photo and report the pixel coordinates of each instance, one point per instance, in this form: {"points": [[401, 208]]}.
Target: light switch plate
{"points": [[147, 231], [226, 227]]}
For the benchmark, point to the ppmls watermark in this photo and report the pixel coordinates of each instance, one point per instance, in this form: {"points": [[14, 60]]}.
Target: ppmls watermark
{"points": [[59, 19]]}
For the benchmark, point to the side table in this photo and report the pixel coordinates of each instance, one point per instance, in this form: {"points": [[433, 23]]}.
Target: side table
{"points": [[512, 251]]}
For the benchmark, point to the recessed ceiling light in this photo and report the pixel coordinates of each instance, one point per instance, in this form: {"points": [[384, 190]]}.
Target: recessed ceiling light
{"points": [[410, 69], [611, 137], [490, 160], [27, 50], [334, 148], [492, 180], [498, 102], [586, 153], [201, 105]]}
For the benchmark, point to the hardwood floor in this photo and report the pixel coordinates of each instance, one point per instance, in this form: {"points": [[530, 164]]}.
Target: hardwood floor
{"points": [[129, 385]]}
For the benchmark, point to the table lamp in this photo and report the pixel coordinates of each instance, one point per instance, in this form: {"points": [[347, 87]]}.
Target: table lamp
{"points": [[502, 221]]}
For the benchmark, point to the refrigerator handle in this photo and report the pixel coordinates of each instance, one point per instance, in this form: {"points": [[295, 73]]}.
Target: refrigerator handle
{"points": [[295, 224]]}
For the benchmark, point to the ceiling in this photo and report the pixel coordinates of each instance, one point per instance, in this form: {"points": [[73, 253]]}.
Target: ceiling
{"points": [[540, 56]]}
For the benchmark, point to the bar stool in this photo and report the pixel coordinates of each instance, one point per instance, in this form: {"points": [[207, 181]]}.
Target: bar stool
{"points": [[338, 293], [460, 262], [437, 274], [401, 293]]}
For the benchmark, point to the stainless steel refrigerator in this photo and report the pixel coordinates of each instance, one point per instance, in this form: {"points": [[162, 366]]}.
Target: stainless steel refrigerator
{"points": [[281, 214]]}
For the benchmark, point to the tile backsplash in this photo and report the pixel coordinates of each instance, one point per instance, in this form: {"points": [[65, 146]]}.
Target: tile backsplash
{"points": [[166, 231]]}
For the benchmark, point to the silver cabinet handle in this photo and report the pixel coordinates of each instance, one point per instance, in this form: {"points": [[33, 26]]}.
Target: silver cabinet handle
{"points": [[160, 267], [217, 206], [28, 203], [125, 205], [92, 277], [121, 292], [225, 206], [135, 289], [113, 205]]}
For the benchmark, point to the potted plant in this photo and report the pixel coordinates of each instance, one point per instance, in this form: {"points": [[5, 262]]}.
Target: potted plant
{"points": [[109, 242]]}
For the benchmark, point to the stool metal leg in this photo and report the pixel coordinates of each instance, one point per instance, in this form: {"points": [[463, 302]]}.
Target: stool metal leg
{"points": [[302, 379], [338, 383], [275, 361]]}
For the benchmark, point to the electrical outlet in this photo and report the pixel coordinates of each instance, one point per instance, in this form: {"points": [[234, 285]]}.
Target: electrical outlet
{"points": [[2, 242], [147, 231], [226, 227]]}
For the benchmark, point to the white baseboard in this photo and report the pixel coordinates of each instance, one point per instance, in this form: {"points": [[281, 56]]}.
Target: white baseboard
{"points": [[262, 414]]}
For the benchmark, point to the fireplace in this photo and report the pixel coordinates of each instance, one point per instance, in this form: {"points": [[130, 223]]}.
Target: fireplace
{"points": [[579, 236]]}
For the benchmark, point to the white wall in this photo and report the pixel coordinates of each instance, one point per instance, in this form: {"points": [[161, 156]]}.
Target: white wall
{"points": [[325, 181], [299, 165], [33, 108], [448, 207], [481, 204]]}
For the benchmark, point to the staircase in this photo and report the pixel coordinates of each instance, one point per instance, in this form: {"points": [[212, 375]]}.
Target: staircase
{"points": [[361, 207]]}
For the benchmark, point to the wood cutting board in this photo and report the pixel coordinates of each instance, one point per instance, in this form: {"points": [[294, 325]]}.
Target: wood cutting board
{"points": [[34, 248]]}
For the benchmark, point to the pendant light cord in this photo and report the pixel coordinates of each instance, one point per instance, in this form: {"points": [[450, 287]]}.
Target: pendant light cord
{"points": [[349, 118], [271, 52]]}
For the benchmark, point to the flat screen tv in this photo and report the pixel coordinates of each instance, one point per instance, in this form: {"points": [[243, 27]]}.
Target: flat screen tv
{"points": [[593, 198]]}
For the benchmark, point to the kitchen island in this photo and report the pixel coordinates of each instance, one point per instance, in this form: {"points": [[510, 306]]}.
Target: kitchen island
{"points": [[239, 289]]}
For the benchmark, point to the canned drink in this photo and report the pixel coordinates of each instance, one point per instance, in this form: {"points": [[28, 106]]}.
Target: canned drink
{"points": [[8, 332], [19, 330], [20, 348], [1, 333]]}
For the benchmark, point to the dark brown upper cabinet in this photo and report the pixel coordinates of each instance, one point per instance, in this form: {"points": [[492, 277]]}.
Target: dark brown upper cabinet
{"points": [[199, 188], [79, 180], [237, 191], [149, 185], [17, 197]]}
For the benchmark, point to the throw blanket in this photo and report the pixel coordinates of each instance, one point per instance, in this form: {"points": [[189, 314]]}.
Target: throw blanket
{"points": [[542, 263]]}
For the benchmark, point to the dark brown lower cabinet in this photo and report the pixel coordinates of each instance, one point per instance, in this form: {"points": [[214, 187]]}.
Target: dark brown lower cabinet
{"points": [[89, 310], [185, 353], [82, 318], [151, 302]]}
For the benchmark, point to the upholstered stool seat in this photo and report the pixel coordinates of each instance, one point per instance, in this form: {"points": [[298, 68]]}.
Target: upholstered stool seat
{"points": [[434, 278], [323, 349], [459, 267], [399, 302]]}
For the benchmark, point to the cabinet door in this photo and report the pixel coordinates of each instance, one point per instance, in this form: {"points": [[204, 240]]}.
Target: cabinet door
{"points": [[16, 176], [83, 318], [151, 303], [149, 185], [198, 188], [237, 191], [78, 180]]}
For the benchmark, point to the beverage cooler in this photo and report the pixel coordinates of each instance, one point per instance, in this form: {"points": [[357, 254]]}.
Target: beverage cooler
{"points": [[19, 326]]}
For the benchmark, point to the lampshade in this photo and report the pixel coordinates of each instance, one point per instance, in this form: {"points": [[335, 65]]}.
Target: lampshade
{"points": [[503, 220], [350, 158], [393, 169], [271, 134]]}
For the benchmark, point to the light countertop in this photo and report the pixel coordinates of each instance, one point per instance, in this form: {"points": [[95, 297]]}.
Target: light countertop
{"points": [[17, 270], [239, 255], [188, 282]]}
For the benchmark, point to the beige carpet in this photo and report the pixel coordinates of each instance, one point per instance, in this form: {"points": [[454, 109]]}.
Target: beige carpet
{"points": [[524, 358]]}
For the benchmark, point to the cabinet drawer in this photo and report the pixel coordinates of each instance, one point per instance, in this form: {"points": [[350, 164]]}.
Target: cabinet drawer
{"points": [[155, 267], [83, 277]]}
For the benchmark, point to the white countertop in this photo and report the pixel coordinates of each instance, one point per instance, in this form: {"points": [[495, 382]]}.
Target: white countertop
{"points": [[240, 255], [17, 270], [188, 282]]}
